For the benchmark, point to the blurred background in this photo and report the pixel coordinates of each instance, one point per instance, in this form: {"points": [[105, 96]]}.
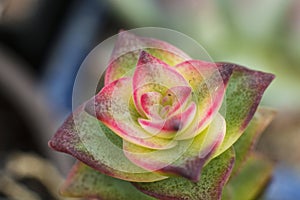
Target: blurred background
{"points": [[43, 43]]}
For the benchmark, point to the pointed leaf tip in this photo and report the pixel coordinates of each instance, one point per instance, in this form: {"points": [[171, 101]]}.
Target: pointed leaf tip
{"points": [[146, 58], [225, 70], [91, 142], [243, 95]]}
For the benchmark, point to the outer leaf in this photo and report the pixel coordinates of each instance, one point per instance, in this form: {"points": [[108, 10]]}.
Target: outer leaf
{"points": [[86, 182], [213, 178], [208, 82], [251, 180], [88, 140], [165, 51], [128, 48], [247, 141], [243, 94]]}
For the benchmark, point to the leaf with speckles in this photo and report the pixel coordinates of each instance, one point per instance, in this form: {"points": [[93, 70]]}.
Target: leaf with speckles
{"points": [[111, 106], [208, 82], [90, 141], [186, 159], [246, 143], [84, 181], [212, 180], [243, 94], [161, 114], [127, 49], [250, 181]]}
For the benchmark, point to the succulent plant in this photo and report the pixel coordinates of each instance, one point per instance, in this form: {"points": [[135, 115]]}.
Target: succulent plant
{"points": [[166, 126]]}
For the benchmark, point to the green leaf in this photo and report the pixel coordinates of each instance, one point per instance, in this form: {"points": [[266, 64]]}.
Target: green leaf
{"points": [[251, 172], [84, 181], [90, 141], [127, 50], [186, 159], [213, 178], [243, 95], [247, 141], [251, 180]]}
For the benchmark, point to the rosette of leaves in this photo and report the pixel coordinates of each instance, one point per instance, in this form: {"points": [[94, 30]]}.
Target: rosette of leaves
{"points": [[158, 128]]}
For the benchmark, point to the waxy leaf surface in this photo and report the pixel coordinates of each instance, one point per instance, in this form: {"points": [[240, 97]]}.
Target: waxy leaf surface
{"points": [[86, 182], [209, 187], [243, 94], [90, 141]]}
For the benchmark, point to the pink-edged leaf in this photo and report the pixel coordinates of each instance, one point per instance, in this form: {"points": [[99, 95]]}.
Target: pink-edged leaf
{"points": [[86, 182], [112, 106], [204, 145], [150, 75], [208, 82], [251, 180], [186, 159], [129, 42], [124, 56], [167, 128], [127, 49], [150, 103], [246, 143], [154, 160], [90, 141], [121, 67], [157, 107], [176, 98], [243, 94], [209, 187], [126, 42], [165, 51]]}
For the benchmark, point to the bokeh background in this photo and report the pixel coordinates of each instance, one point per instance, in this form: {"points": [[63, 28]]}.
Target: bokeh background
{"points": [[43, 43]]}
